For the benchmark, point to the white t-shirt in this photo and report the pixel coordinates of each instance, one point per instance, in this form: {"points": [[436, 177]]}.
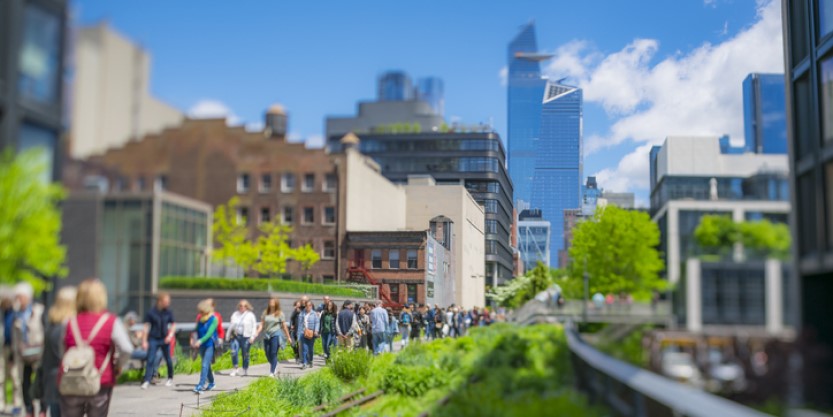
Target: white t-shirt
{"points": [[243, 324]]}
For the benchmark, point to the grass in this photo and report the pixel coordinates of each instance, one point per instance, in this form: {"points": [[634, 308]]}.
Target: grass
{"points": [[258, 284]]}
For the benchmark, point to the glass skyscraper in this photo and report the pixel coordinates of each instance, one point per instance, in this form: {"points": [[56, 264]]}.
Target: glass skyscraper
{"points": [[395, 86], [764, 113], [544, 141], [431, 91]]}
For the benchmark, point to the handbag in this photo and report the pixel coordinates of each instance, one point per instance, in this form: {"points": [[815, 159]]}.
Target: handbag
{"points": [[308, 333]]}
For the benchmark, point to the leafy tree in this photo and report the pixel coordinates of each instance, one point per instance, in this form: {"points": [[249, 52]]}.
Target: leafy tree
{"points": [[719, 233], [232, 236], [716, 231], [619, 249], [273, 249], [518, 291], [30, 222], [307, 256]]}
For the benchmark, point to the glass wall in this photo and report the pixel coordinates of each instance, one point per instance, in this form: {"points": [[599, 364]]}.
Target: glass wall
{"points": [[125, 252], [182, 241], [44, 140], [39, 61]]}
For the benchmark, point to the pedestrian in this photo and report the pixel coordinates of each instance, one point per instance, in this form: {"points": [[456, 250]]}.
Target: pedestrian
{"points": [[365, 332], [206, 341], [347, 325], [92, 328], [429, 323], [417, 322], [379, 329], [328, 327], [8, 372], [293, 330], [59, 314], [221, 333], [393, 329], [407, 324], [275, 333], [160, 329], [27, 342], [309, 332], [241, 336], [439, 323]]}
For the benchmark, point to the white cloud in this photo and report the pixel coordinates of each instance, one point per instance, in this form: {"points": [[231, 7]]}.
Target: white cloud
{"points": [[213, 109], [697, 92], [503, 74], [710, 3], [310, 141]]}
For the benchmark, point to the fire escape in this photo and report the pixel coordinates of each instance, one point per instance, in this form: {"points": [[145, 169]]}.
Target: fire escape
{"points": [[356, 272]]}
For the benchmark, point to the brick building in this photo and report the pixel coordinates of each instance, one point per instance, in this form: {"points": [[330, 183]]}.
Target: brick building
{"points": [[211, 162]]}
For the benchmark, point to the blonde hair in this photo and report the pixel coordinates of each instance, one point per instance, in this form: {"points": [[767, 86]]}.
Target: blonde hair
{"points": [[92, 296], [245, 305], [205, 308], [64, 306]]}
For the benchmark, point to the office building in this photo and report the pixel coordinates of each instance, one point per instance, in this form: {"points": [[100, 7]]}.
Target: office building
{"points": [[473, 160], [31, 78], [764, 114], [395, 86], [621, 200], [209, 161], [808, 28], [111, 102], [590, 195], [432, 91], [130, 240], [533, 238], [545, 133]]}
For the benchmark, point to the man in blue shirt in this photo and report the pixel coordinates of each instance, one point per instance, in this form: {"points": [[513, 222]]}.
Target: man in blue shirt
{"points": [[159, 333], [379, 325]]}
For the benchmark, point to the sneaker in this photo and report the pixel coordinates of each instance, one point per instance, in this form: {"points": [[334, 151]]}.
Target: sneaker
{"points": [[234, 372], [303, 366], [145, 385], [245, 372], [169, 382], [197, 390], [209, 387]]}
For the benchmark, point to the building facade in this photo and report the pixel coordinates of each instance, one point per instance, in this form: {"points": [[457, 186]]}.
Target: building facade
{"points": [[534, 237], [764, 114], [208, 161], [395, 86], [130, 240], [621, 200], [473, 160], [432, 91], [111, 102], [808, 30], [31, 78]]}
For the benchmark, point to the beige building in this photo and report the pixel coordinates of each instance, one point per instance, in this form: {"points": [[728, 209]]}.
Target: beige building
{"points": [[110, 102]]}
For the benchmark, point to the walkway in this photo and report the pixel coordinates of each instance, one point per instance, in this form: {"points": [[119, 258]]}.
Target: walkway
{"points": [[159, 400]]}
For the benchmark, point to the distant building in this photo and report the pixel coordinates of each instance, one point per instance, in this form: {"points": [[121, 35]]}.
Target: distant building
{"points": [[132, 239], [111, 103], [765, 114], [534, 238], [572, 218], [395, 86], [32, 52], [208, 161], [432, 91], [621, 200], [590, 195]]}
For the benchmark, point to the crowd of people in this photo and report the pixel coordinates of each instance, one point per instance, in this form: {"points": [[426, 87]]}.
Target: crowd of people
{"points": [[66, 359]]}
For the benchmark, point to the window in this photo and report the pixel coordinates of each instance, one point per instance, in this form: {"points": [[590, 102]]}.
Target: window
{"points": [[309, 183], [140, 184], [121, 184], [412, 259], [243, 183], [44, 140], [265, 183], [376, 259], [825, 17], [161, 183], [394, 292], [288, 182], [243, 215], [329, 215], [393, 259], [309, 215], [330, 182], [329, 250], [412, 293], [265, 215], [39, 68], [288, 215], [490, 206], [491, 226], [491, 247], [828, 176]]}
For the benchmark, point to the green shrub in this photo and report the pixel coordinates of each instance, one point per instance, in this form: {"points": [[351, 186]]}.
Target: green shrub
{"points": [[350, 365], [257, 284]]}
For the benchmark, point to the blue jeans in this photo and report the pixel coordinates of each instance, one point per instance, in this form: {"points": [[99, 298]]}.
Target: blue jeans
{"points": [[379, 342], [308, 348], [207, 354], [429, 330], [272, 346], [154, 345], [241, 344], [328, 340]]}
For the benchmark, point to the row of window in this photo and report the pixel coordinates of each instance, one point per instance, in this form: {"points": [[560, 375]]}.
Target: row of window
{"points": [[287, 215], [410, 294], [288, 183], [393, 259]]}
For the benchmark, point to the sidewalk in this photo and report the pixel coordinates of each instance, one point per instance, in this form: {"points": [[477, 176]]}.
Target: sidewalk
{"points": [[159, 400]]}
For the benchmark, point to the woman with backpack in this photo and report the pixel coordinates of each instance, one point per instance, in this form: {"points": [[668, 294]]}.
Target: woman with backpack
{"points": [[406, 318], [241, 333], [276, 333], [206, 341], [61, 311], [88, 372]]}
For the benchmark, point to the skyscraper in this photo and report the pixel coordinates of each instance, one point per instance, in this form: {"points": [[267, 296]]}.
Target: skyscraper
{"points": [[395, 86], [764, 113], [431, 91], [545, 128]]}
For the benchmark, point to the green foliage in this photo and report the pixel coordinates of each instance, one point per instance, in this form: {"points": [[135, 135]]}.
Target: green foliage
{"points": [[718, 234], [232, 236], [257, 284], [30, 221], [629, 349], [273, 248], [307, 256], [518, 291], [619, 248], [350, 365]]}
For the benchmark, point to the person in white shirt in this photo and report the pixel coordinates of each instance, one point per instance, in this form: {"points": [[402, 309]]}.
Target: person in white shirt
{"points": [[241, 334]]}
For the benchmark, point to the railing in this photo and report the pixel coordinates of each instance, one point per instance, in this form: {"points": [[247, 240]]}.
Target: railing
{"points": [[575, 311]]}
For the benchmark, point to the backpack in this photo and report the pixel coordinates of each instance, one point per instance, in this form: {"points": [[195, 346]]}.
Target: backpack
{"points": [[31, 351], [81, 377], [406, 318]]}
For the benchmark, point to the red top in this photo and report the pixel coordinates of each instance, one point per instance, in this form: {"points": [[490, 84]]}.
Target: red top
{"points": [[220, 332], [101, 344]]}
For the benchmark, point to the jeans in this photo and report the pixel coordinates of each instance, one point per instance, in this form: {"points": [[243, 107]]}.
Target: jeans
{"points": [[153, 346], [241, 344], [328, 340], [272, 346], [308, 348], [96, 406], [379, 339], [406, 333], [26, 383], [429, 330], [54, 409], [207, 353]]}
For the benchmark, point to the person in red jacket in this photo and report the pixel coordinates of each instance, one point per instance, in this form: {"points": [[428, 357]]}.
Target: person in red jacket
{"points": [[112, 336]]}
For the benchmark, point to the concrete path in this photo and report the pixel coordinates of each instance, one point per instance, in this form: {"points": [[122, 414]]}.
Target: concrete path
{"points": [[159, 400]]}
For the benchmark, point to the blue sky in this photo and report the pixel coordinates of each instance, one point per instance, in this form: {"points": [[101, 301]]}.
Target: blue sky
{"points": [[319, 58]]}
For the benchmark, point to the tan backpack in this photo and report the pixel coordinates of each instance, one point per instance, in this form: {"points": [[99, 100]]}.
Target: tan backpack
{"points": [[81, 377]]}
